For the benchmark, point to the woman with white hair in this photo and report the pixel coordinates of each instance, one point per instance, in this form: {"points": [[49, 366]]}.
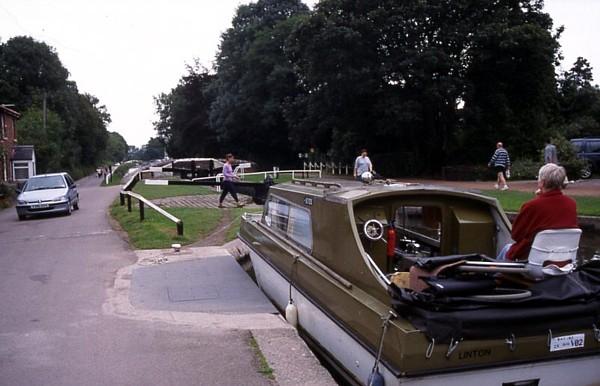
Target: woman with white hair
{"points": [[549, 210]]}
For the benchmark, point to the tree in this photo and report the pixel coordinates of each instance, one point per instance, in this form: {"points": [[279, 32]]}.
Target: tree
{"points": [[253, 80], [422, 80], [28, 68], [116, 148], [183, 124], [31, 77], [578, 101], [154, 149], [47, 142]]}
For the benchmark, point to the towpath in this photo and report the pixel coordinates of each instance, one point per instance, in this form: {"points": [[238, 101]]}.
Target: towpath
{"points": [[67, 319]]}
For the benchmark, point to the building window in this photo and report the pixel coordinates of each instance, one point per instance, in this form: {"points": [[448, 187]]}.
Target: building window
{"points": [[2, 128], [21, 170]]}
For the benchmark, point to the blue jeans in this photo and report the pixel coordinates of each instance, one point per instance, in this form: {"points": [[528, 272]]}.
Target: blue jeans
{"points": [[502, 255]]}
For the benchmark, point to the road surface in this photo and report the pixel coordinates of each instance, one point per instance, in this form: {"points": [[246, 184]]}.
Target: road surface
{"points": [[54, 276]]}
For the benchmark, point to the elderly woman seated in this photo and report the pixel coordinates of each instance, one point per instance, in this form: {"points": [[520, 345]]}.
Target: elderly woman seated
{"points": [[549, 210]]}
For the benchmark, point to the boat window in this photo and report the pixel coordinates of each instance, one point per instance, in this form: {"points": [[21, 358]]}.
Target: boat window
{"points": [[277, 214], [299, 227], [293, 221], [424, 221]]}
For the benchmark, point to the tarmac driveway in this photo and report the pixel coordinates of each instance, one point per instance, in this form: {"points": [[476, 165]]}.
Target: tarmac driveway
{"points": [[54, 276]]}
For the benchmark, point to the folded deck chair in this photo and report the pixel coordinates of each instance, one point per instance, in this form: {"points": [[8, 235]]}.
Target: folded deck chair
{"points": [[554, 252]]}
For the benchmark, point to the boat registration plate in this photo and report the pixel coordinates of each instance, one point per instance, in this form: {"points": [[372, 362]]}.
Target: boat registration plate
{"points": [[567, 342]]}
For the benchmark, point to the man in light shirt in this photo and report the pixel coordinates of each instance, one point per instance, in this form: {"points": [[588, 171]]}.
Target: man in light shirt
{"points": [[362, 164], [227, 185]]}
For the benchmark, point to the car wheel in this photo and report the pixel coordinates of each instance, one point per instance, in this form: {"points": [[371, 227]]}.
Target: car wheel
{"points": [[76, 204], [586, 172], [21, 217], [69, 208]]}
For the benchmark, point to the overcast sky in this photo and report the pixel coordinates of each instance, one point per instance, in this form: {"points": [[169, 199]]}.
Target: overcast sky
{"points": [[127, 51]]}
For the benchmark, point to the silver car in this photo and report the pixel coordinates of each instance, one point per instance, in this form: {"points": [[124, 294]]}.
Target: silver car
{"points": [[48, 193]]}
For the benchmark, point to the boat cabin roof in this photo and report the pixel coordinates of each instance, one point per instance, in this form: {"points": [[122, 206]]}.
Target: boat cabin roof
{"points": [[344, 191]]}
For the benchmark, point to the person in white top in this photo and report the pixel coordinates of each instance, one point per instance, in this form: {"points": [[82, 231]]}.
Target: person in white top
{"points": [[362, 164]]}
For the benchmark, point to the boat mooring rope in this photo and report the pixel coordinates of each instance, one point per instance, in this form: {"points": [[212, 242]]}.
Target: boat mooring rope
{"points": [[294, 265], [375, 370]]}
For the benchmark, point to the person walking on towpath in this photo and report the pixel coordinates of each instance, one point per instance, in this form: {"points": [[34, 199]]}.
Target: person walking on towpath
{"points": [[362, 164], [227, 185], [550, 155], [501, 163]]}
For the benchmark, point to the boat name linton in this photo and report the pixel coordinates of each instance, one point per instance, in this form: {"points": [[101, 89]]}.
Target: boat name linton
{"points": [[486, 352]]}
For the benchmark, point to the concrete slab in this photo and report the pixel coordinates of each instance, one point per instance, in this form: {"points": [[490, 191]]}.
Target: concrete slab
{"points": [[292, 361], [211, 285]]}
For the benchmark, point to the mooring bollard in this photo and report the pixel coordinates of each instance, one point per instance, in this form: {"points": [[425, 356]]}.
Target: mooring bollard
{"points": [[128, 203], [180, 228], [141, 210]]}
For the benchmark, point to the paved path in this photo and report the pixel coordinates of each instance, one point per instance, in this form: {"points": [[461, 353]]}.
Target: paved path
{"points": [[200, 201], [579, 188], [60, 323]]}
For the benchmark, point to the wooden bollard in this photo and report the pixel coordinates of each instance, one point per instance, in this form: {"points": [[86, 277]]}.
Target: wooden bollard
{"points": [[141, 210]]}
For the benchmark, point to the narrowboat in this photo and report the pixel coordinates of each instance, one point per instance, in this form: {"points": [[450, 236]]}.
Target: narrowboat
{"points": [[395, 284]]}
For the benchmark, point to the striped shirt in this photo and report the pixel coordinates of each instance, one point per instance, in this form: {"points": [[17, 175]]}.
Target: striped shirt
{"points": [[500, 158]]}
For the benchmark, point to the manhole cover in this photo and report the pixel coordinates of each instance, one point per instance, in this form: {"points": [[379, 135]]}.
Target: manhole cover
{"points": [[188, 294]]}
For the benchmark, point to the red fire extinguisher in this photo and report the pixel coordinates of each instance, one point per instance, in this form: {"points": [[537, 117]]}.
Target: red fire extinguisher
{"points": [[391, 241]]}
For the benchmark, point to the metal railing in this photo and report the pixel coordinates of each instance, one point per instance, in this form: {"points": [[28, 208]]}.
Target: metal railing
{"points": [[272, 173], [129, 185], [329, 167], [126, 195]]}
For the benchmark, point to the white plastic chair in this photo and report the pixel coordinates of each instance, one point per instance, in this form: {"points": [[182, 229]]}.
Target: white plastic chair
{"points": [[555, 246]]}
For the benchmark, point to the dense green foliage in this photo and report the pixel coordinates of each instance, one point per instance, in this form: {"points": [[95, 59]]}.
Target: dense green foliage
{"points": [[116, 148], [154, 149], [420, 83], [183, 117], [75, 136]]}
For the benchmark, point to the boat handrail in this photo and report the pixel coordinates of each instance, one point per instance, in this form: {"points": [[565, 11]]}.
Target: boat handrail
{"points": [[252, 216], [378, 271], [316, 184]]}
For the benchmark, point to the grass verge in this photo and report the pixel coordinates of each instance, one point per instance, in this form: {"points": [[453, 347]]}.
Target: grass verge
{"points": [[511, 201], [263, 366], [119, 172], [158, 232], [153, 192]]}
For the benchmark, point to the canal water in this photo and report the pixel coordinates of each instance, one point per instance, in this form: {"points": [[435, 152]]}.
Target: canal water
{"points": [[589, 244]]}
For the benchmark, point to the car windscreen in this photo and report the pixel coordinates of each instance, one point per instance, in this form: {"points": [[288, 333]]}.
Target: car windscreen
{"points": [[41, 183]]}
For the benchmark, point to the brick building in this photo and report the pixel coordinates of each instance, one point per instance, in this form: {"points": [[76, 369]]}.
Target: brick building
{"points": [[8, 141]]}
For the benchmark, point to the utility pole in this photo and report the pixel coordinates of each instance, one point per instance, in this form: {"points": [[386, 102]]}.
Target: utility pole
{"points": [[44, 109]]}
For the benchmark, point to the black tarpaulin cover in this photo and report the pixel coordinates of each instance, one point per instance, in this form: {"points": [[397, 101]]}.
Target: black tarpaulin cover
{"points": [[558, 303]]}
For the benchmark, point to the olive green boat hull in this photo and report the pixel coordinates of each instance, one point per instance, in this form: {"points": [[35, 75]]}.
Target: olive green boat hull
{"points": [[342, 305]]}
